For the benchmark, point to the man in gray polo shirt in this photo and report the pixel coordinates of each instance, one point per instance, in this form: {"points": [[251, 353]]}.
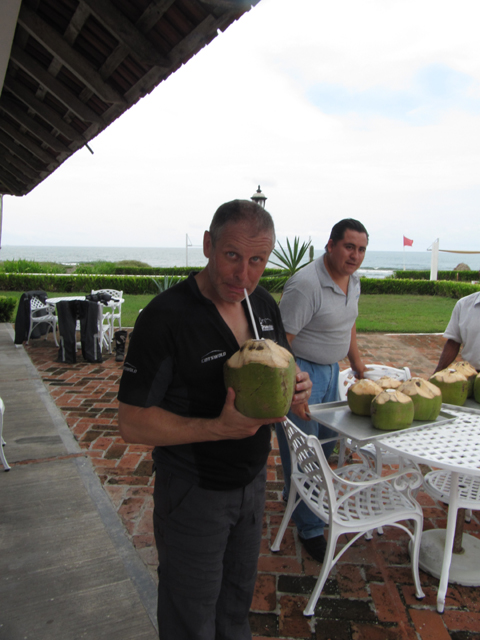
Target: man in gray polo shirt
{"points": [[319, 308]]}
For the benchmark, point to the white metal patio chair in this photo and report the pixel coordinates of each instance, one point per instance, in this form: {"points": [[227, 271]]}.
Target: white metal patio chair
{"points": [[437, 484], [353, 500], [42, 313], [115, 308], [6, 466], [345, 380], [105, 330]]}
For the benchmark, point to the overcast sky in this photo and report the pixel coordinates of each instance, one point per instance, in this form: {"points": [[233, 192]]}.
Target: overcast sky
{"points": [[337, 109]]}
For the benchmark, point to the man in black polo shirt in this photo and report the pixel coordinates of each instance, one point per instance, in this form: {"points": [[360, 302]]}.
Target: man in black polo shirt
{"points": [[210, 460]]}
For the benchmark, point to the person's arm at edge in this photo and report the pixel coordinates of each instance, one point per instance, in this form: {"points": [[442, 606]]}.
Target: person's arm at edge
{"points": [[155, 426], [354, 355], [448, 355]]}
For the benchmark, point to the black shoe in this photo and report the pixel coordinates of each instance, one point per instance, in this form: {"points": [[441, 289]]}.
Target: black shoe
{"points": [[316, 547]]}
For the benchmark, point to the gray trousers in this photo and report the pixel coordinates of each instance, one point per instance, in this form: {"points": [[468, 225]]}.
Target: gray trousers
{"points": [[208, 545]]}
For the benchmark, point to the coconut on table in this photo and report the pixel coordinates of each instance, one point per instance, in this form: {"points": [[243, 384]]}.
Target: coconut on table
{"points": [[452, 384]]}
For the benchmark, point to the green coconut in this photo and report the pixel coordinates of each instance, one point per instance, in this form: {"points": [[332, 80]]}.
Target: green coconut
{"points": [[388, 383], [360, 396], [452, 384], [468, 371], [476, 388], [392, 410], [427, 398], [262, 374]]}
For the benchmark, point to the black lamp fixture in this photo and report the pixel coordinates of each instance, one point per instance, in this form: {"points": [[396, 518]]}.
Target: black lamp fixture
{"points": [[259, 198]]}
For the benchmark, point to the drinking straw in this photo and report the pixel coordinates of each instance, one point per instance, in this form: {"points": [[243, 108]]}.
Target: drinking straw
{"points": [[251, 314]]}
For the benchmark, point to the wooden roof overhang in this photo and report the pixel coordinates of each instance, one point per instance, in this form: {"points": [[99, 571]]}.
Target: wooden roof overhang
{"points": [[75, 66]]}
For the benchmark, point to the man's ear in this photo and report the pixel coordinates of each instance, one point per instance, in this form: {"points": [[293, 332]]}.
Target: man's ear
{"points": [[207, 244], [330, 244]]}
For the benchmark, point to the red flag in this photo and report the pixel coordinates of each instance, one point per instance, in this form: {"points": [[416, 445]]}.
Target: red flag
{"points": [[407, 242]]}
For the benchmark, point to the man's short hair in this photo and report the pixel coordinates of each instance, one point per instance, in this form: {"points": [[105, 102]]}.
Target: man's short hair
{"points": [[338, 230], [241, 211]]}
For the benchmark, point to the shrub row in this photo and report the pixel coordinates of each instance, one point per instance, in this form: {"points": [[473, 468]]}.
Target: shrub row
{"points": [[72, 283], [135, 285], [442, 288], [7, 306], [171, 271], [462, 276]]}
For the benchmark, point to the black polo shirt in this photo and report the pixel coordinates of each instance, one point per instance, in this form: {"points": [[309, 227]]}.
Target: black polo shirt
{"points": [[175, 361]]}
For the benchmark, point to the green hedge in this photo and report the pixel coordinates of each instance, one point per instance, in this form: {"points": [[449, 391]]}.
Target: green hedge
{"points": [[135, 285], [72, 283], [461, 276], [7, 306], [170, 271], [442, 288]]}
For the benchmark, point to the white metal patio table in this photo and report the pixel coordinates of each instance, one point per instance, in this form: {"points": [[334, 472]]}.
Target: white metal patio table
{"points": [[455, 447]]}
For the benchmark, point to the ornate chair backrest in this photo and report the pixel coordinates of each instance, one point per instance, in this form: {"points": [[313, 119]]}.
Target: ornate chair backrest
{"points": [[309, 460]]}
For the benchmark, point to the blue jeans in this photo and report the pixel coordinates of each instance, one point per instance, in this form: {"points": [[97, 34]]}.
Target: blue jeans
{"points": [[325, 389]]}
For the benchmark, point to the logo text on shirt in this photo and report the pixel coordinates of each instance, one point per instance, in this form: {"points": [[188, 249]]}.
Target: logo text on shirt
{"points": [[266, 324], [213, 355]]}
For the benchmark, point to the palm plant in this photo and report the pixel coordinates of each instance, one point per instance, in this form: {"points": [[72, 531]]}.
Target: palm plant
{"points": [[166, 283], [290, 260]]}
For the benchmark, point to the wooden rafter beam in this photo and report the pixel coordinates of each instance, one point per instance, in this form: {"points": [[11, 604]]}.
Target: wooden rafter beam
{"points": [[20, 152], [56, 88], [18, 165], [68, 57], [43, 110], [153, 13], [26, 142], [24, 120], [127, 33]]}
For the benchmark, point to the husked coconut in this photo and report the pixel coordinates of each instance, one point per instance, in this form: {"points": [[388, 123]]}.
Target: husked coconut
{"points": [[427, 398], [262, 374], [388, 383], [392, 410], [468, 371], [360, 396], [476, 388], [452, 384]]}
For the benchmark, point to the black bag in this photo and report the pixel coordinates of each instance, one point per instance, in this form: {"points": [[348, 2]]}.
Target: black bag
{"points": [[104, 298]]}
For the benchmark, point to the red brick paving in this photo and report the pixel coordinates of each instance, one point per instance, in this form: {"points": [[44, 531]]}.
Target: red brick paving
{"points": [[369, 595]]}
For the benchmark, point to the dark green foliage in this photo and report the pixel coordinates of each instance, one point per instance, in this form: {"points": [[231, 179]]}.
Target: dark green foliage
{"points": [[443, 288], [29, 266], [7, 306], [462, 276], [76, 283]]}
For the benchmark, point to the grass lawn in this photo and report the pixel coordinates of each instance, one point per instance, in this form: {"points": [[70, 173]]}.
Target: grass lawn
{"points": [[404, 314], [377, 313]]}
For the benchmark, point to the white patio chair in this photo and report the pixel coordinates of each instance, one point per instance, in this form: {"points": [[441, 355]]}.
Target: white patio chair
{"points": [[345, 380], [352, 500], [437, 484], [6, 466], [115, 308], [105, 330], [42, 313]]}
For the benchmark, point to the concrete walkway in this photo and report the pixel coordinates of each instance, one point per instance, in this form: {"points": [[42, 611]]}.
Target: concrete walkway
{"points": [[368, 596], [67, 568]]}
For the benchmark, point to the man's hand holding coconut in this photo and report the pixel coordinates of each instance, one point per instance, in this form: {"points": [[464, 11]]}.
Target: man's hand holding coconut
{"points": [[210, 458]]}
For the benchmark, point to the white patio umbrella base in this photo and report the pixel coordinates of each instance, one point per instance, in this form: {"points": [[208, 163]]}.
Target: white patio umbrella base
{"points": [[465, 567]]}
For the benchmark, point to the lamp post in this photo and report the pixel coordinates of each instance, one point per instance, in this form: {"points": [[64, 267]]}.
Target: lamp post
{"points": [[259, 198]]}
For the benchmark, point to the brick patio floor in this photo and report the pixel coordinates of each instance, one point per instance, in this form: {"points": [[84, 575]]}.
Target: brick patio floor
{"points": [[369, 594]]}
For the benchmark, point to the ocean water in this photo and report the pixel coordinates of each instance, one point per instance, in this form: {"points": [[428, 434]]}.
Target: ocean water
{"points": [[377, 264]]}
